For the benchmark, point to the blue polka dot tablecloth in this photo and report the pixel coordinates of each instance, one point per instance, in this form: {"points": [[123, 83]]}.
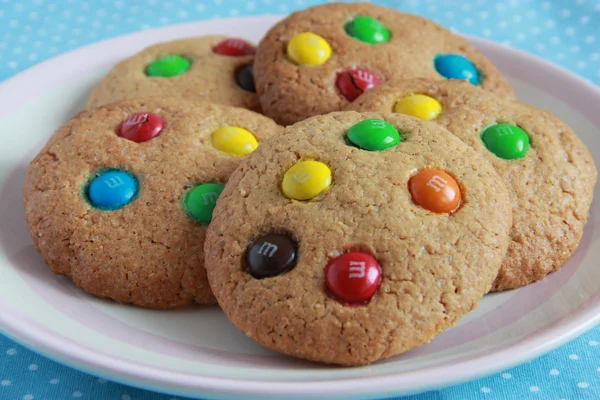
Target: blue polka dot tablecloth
{"points": [[566, 32]]}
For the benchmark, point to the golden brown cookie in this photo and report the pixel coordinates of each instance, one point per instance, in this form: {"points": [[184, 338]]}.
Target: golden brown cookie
{"points": [[211, 68], [356, 236], [549, 172], [120, 196], [320, 59]]}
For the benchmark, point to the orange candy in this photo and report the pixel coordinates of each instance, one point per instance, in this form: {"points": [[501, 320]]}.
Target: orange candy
{"points": [[435, 190]]}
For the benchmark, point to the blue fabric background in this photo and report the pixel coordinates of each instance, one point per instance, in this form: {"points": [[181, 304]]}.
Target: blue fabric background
{"points": [[562, 31]]}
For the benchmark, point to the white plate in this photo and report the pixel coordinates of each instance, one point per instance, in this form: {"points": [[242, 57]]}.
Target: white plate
{"points": [[195, 351]]}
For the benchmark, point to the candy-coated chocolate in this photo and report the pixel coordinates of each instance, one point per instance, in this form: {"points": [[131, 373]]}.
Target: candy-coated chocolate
{"points": [[353, 83], [234, 140], [306, 179], [112, 189], [168, 66], [368, 29], [420, 106], [233, 47], [245, 79], [353, 277], [455, 66], [435, 190], [141, 127], [271, 255], [308, 48], [506, 141], [200, 202], [374, 135]]}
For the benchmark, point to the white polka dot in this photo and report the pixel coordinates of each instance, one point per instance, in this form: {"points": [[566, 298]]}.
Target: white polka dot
{"points": [[573, 356], [101, 381], [540, 46], [233, 11], [521, 36], [506, 42], [534, 389], [597, 8], [432, 8], [583, 385], [125, 397], [554, 40], [182, 14], [101, 13], [595, 57], [506, 375], [54, 381], [486, 32], [535, 30], [500, 7], [570, 32], [67, 14], [13, 23], [449, 14], [51, 7], [34, 15], [584, 20], [80, 19], [485, 389], [591, 39], [77, 394], [38, 2], [560, 56], [531, 13], [283, 8], [554, 372], [61, 27], [565, 12], [5, 382], [502, 24], [581, 64], [250, 5], [468, 22], [200, 7], [28, 397], [517, 18], [33, 367], [550, 23], [218, 2], [484, 14], [574, 49], [164, 20]]}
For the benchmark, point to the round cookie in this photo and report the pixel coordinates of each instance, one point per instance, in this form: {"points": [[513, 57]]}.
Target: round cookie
{"points": [[211, 68], [549, 172], [120, 196], [356, 236], [320, 59]]}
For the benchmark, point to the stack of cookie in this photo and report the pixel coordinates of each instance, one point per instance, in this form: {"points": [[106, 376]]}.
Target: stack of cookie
{"points": [[407, 183]]}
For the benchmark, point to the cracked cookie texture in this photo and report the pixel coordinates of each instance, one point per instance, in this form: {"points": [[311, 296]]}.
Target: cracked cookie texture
{"points": [[435, 267], [210, 77], [290, 92], [551, 186], [149, 252]]}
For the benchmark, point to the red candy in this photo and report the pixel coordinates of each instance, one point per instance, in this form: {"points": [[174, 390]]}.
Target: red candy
{"points": [[233, 47], [353, 277], [353, 83], [141, 127]]}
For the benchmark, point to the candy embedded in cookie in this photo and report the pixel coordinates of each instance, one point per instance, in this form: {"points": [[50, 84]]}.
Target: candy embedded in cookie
{"points": [[356, 220], [121, 196], [320, 59], [549, 172], [211, 68]]}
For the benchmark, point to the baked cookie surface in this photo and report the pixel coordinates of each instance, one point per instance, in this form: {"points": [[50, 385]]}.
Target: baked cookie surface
{"points": [[549, 172], [318, 60], [356, 236], [207, 68], [120, 196]]}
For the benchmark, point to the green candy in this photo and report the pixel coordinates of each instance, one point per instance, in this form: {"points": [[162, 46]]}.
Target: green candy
{"points": [[168, 66], [200, 202], [373, 135], [506, 141], [368, 29]]}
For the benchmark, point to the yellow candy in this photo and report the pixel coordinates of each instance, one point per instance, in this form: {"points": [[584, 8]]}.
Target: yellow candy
{"points": [[306, 179], [308, 49], [420, 106], [234, 140]]}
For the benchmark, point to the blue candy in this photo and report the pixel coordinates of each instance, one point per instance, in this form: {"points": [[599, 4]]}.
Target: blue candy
{"points": [[454, 66], [112, 190]]}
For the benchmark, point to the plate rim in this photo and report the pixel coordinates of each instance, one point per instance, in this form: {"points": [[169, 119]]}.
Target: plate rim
{"points": [[52, 345]]}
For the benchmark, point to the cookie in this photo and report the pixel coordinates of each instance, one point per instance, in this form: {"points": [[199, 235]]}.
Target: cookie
{"points": [[356, 236], [119, 198], [320, 59], [550, 173], [211, 68]]}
